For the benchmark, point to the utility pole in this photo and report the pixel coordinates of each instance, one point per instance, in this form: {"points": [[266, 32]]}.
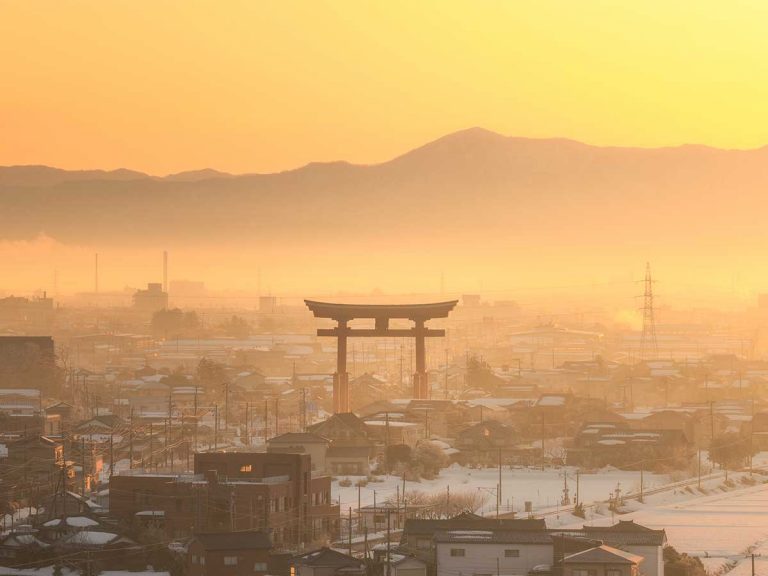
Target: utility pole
{"points": [[386, 444], [197, 420], [699, 481], [752, 435], [389, 537], [247, 436], [151, 446], [111, 455], [130, 441], [277, 416], [82, 470], [186, 440], [266, 421], [498, 496], [349, 528], [226, 404], [578, 474], [168, 430], [215, 426]]}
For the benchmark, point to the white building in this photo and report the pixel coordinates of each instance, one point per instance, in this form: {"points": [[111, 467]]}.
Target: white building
{"points": [[487, 552]]}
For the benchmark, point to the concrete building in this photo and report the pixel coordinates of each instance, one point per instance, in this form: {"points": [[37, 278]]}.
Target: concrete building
{"points": [[152, 299]]}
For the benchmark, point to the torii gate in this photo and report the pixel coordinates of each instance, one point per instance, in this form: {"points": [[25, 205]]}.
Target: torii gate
{"points": [[382, 314]]}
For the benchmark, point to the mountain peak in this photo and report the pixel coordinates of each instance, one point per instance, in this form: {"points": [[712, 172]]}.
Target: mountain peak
{"points": [[197, 175]]}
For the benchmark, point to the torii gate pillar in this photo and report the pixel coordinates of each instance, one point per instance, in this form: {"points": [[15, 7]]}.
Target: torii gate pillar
{"points": [[341, 377]]}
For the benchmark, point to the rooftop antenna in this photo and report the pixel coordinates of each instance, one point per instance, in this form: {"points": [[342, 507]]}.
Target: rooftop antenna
{"points": [[649, 346]]}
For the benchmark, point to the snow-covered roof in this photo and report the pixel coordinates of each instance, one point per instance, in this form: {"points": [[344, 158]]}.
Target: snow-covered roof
{"points": [[74, 521]]}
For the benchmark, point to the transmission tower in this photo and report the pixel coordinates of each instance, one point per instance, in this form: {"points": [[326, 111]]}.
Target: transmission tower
{"points": [[649, 346]]}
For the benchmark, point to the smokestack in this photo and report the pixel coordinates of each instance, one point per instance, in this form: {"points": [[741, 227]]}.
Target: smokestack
{"points": [[165, 271]]}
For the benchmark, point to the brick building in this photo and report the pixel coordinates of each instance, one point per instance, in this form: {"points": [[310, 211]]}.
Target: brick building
{"points": [[231, 492]]}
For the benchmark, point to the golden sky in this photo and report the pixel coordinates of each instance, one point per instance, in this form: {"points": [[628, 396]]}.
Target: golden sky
{"points": [[164, 86]]}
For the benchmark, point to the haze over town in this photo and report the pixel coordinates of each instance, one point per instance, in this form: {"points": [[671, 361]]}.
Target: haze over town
{"points": [[385, 288]]}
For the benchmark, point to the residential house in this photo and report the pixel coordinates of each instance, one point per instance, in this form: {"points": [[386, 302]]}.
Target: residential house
{"points": [[31, 468], [229, 554], [350, 449], [603, 444], [418, 535], [327, 562], [495, 551], [22, 545], [601, 561], [302, 443]]}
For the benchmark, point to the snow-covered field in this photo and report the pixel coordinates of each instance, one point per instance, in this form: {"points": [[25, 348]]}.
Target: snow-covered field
{"points": [[544, 489], [721, 525]]}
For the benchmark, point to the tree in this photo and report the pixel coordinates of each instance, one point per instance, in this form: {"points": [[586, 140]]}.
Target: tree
{"points": [[211, 374], [174, 322], [176, 378], [430, 459], [730, 450], [479, 374], [237, 327], [676, 564]]}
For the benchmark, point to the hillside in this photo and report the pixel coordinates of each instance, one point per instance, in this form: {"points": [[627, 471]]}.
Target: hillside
{"points": [[485, 185]]}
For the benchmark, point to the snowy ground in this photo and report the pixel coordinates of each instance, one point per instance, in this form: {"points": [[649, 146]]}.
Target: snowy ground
{"points": [[721, 524], [722, 527], [544, 489]]}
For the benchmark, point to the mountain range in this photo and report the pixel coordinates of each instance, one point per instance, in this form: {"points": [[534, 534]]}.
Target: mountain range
{"points": [[468, 187]]}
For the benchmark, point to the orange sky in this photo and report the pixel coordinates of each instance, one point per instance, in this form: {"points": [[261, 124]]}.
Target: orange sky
{"points": [[164, 86]]}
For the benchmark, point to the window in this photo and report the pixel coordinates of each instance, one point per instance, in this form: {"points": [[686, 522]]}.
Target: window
{"points": [[246, 468], [509, 553], [230, 560], [260, 567], [458, 552], [582, 572], [612, 572], [194, 558]]}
